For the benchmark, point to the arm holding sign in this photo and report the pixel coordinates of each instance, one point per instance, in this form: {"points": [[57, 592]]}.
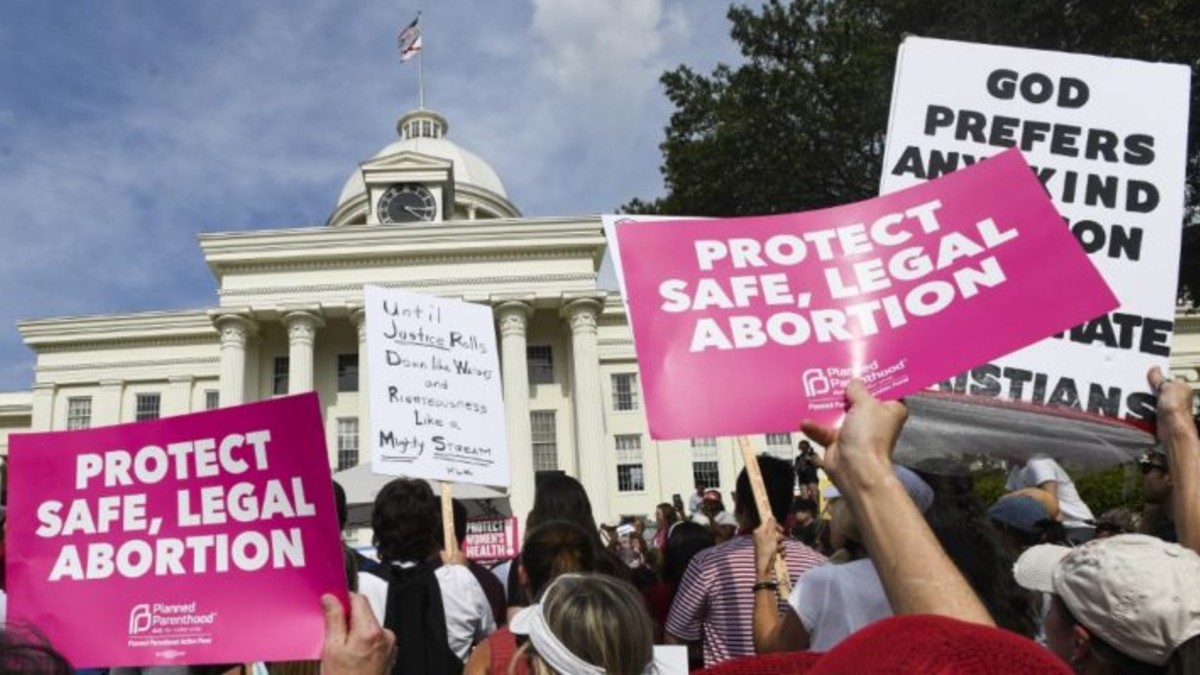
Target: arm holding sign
{"points": [[773, 631], [916, 573], [362, 648], [1177, 430]]}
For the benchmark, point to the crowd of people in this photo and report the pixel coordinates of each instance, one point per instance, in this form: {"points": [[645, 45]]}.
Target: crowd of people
{"points": [[893, 569]]}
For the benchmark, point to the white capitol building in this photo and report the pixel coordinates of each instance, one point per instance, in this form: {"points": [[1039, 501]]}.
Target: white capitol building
{"points": [[428, 216]]}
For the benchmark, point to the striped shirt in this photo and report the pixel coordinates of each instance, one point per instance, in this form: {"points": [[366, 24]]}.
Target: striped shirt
{"points": [[715, 600]]}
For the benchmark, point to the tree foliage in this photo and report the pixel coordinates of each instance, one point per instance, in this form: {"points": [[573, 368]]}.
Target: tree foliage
{"points": [[800, 125]]}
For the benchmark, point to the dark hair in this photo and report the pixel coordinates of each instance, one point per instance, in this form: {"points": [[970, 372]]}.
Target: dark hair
{"points": [[1113, 659], [406, 521], [1185, 660], [27, 652], [460, 521], [686, 540], [804, 504], [779, 481], [348, 559], [669, 512], [960, 522], [554, 548], [561, 497], [339, 500]]}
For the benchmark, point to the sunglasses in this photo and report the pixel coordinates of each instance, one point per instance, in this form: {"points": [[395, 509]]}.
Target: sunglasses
{"points": [[1147, 467]]}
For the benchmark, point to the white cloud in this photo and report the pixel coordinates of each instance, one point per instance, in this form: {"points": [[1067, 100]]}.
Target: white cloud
{"points": [[129, 130]]}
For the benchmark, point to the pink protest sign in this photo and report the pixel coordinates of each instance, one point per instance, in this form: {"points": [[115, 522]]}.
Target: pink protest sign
{"points": [[750, 325], [204, 538], [490, 539]]}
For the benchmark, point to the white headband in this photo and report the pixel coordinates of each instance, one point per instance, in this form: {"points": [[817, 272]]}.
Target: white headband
{"points": [[532, 622]]}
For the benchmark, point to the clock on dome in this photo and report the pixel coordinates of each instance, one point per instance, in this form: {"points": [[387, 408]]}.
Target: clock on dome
{"points": [[407, 203]]}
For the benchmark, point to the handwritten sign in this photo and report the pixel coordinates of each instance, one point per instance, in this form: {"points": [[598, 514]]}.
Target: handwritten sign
{"points": [[166, 542], [436, 405], [1108, 141], [491, 539], [749, 325]]}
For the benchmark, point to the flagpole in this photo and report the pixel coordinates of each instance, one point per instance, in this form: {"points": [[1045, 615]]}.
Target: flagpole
{"points": [[421, 77]]}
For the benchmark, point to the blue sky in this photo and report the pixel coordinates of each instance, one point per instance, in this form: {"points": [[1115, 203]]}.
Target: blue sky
{"points": [[127, 127]]}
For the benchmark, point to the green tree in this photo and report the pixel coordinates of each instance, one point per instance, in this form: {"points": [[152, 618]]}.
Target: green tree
{"points": [[800, 125]]}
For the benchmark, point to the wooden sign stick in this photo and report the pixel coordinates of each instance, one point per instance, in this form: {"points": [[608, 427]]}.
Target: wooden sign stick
{"points": [[764, 509], [449, 537]]}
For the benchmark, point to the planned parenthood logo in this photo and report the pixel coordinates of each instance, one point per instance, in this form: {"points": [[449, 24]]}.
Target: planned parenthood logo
{"points": [[139, 619], [824, 386], [160, 624]]}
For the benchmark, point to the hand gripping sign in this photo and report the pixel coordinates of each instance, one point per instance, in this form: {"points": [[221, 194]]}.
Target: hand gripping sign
{"points": [[205, 538], [749, 325]]}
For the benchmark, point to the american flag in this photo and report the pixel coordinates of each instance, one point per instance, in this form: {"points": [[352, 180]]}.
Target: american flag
{"points": [[408, 42]]}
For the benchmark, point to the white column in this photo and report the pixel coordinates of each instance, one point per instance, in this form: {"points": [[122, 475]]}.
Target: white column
{"points": [[514, 319], [359, 317], [592, 458], [302, 335], [178, 400], [106, 409], [43, 407], [234, 330]]}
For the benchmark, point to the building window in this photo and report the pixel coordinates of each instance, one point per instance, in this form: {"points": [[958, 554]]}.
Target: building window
{"points": [[707, 474], [784, 440], [279, 380], [541, 364], [347, 372], [545, 440], [705, 469], [625, 394], [79, 412], [347, 443], [212, 399], [630, 473], [148, 407], [779, 445]]}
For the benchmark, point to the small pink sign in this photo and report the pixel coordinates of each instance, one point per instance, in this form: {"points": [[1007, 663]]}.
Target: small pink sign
{"points": [[491, 539], [204, 538], [750, 325]]}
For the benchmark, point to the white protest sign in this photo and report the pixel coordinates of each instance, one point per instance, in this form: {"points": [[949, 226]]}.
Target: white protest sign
{"points": [[435, 393], [1108, 140]]}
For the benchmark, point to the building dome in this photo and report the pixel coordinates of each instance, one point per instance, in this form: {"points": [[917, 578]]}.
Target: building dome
{"points": [[480, 192]]}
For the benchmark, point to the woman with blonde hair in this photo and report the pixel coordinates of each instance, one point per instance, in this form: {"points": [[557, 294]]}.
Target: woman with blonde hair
{"points": [[587, 624]]}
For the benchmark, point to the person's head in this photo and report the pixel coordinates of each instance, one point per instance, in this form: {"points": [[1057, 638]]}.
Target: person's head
{"points": [[683, 543], [804, 510], [406, 521], [712, 504], [665, 515], [778, 480], [843, 529], [1124, 604], [700, 486], [962, 526], [588, 623], [844, 532], [926, 643], [561, 497], [29, 653], [554, 548], [1156, 477], [1117, 520], [1021, 520], [339, 500]]}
